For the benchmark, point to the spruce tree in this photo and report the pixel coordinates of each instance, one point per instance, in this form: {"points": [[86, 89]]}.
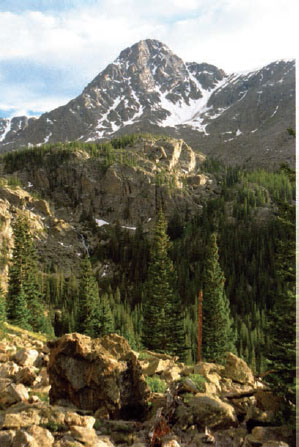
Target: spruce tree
{"points": [[217, 335], [88, 300], [2, 308], [23, 279], [104, 324], [281, 353], [21, 312], [163, 319]]}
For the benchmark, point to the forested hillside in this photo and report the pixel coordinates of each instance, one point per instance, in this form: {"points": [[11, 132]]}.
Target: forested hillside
{"points": [[143, 282]]}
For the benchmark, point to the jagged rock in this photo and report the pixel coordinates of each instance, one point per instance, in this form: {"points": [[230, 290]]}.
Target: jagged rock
{"points": [[275, 444], [12, 394], [154, 365], [67, 441], [9, 369], [26, 375], [27, 357], [188, 386], [281, 433], [238, 370], [41, 436], [20, 419], [256, 416], [83, 434], [6, 438], [170, 443], [24, 439], [205, 368], [82, 370], [205, 410], [267, 400], [171, 373]]}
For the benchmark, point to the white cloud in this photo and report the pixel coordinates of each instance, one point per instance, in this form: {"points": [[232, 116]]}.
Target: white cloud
{"points": [[232, 34]]}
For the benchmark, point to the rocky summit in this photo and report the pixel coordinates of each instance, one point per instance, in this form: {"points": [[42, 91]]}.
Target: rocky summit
{"points": [[241, 118], [203, 404]]}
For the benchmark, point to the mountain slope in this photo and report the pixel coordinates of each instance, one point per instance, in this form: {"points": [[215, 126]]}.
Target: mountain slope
{"points": [[240, 118]]}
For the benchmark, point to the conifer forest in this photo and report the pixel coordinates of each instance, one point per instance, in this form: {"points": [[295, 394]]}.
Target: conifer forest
{"points": [[237, 251]]}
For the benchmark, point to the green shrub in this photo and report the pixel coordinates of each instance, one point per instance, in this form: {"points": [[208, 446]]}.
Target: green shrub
{"points": [[198, 380], [156, 384]]}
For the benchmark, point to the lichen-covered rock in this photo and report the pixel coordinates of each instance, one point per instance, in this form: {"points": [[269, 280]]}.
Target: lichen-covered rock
{"points": [[97, 373], [237, 370]]}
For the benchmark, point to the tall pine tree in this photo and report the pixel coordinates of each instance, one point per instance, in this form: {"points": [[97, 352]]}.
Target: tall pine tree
{"points": [[218, 336], [23, 280], [282, 323], [163, 318], [2, 308], [88, 300]]}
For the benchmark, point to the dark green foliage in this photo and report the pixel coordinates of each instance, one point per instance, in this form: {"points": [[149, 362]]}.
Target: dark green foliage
{"points": [[88, 300], [156, 384], [218, 335], [163, 325], [21, 311], [95, 316], [105, 324], [23, 280], [2, 307], [282, 324]]}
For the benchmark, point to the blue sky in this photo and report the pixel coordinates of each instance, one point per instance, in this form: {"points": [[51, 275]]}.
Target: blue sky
{"points": [[50, 49]]}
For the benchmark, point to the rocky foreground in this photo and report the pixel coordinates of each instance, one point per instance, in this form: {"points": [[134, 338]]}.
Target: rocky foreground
{"points": [[76, 392]]}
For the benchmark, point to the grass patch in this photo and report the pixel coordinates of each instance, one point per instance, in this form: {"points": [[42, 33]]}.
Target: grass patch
{"points": [[10, 329]]}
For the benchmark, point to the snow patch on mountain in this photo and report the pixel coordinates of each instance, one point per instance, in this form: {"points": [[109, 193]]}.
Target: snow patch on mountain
{"points": [[6, 130]]}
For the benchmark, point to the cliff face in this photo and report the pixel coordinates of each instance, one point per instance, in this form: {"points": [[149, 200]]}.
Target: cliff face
{"points": [[71, 196]]}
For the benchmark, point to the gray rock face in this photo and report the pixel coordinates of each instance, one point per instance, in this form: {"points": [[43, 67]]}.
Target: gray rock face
{"points": [[239, 118]]}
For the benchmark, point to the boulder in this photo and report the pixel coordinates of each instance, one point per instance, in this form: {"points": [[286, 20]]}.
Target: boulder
{"points": [[20, 419], [282, 433], [27, 357], [23, 439], [41, 436], [237, 370], [275, 444], [9, 369], [26, 375], [6, 438], [83, 434], [12, 394], [205, 410], [97, 373], [205, 368]]}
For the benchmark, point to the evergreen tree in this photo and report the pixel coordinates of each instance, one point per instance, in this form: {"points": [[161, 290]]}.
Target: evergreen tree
{"points": [[104, 323], [163, 319], [218, 335], [23, 279], [282, 323], [21, 313], [88, 300], [2, 308]]}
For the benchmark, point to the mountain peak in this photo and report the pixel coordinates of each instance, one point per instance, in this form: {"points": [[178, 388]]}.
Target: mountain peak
{"points": [[148, 88]]}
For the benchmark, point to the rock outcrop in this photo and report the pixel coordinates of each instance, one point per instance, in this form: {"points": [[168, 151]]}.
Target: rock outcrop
{"points": [[86, 373], [188, 417]]}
